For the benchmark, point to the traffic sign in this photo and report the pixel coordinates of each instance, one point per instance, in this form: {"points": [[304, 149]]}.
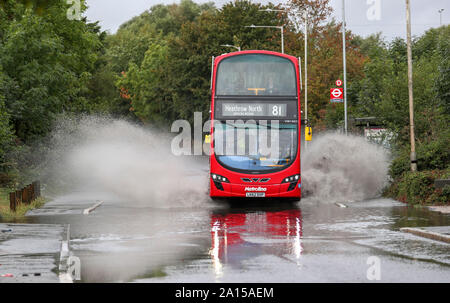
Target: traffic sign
{"points": [[338, 82], [337, 94]]}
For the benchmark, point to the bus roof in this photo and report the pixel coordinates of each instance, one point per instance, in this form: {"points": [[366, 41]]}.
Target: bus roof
{"points": [[245, 52]]}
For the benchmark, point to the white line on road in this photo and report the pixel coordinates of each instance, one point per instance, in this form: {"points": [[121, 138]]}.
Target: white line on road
{"points": [[64, 275], [87, 211], [341, 205]]}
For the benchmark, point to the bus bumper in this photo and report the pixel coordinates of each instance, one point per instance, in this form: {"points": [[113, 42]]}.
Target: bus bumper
{"points": [[248, 191]]}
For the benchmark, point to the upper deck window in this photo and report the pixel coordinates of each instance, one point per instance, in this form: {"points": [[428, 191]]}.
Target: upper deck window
{"points": [[256, 74]]}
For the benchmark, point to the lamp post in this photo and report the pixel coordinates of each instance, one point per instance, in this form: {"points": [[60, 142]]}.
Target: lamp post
{"points": [[233, 46], [266, 26], [440, 16], [410, 88]]}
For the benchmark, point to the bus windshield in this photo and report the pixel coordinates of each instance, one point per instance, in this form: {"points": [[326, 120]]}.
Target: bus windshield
{"points": [[239, 146], [256, 74]]}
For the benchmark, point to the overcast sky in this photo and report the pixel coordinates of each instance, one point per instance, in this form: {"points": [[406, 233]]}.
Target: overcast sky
{"points": [[424, 14]]}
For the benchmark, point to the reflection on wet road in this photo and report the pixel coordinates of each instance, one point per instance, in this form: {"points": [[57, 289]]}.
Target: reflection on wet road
{"points": [[270, 242], [240, 236]]}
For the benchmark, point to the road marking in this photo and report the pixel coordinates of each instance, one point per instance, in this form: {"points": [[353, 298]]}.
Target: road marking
{"points": [[341, 205], [87, 211], [64, 275]]}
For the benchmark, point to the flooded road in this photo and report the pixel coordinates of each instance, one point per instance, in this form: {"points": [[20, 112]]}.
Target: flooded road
{"points": [[157, 223], [309, 241]]}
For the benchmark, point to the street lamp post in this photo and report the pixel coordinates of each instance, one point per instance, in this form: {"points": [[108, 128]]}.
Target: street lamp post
{"points": [[282, 33], [233, 46], [410, 87], [279, 27], [440, 16]]}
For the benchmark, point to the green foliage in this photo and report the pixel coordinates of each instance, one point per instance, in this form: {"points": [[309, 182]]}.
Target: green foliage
{"points": [[167, 67], [383, 93], [334, 114], [384, 90], [167, 19], [442, 82], [430, 156], [156, 68], [148, 83], [6, 136], [47, 61], [128, 45], [418, 188], [48, 65]]}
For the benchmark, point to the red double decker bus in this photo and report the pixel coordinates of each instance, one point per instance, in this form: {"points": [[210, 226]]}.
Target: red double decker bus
{"points": [[255, 128]]}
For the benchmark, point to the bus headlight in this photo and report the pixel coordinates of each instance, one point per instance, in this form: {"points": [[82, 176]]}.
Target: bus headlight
{"points": [[291, 179], [219, 178]]}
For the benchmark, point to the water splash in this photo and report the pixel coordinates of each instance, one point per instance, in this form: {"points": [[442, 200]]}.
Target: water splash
{"points": [[338, 168], [136, 163], [126, 159]]}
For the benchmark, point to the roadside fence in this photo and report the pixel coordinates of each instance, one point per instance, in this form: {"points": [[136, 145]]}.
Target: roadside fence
{"points": [[25, 195]]}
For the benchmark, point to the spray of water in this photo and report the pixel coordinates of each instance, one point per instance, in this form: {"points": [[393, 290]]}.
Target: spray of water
{"points": [[338, 168], [137, 164], [119, 157]]}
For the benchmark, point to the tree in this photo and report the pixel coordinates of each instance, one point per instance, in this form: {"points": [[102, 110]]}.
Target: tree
{"points": [[442, 84], [383, 92], [47, 61], [147, 85], [6, 134], [318, 11], [151, 75]]}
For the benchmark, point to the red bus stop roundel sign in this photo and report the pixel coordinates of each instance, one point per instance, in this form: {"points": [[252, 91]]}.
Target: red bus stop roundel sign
{"points": [[337, 94]]}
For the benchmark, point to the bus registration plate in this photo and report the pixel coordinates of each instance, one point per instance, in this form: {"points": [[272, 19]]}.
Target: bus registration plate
{"points": [[255, 195]]}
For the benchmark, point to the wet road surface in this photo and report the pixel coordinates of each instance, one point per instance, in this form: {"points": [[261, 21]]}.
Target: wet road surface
{"points": [[30, 253], [309, 241]]}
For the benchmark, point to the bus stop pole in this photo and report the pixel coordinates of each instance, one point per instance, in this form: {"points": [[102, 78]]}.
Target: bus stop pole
{"points": [[345, 66]]}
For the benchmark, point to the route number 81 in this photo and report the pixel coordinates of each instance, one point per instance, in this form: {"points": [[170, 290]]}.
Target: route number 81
{"points": [[276, 110]]}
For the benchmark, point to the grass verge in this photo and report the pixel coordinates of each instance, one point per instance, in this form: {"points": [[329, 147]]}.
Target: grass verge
{"points": [[6, 214], [4, 197]]}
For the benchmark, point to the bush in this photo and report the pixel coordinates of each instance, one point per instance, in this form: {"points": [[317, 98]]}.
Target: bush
{"points": [[430, 156], [418, 188], [6, 140], [415, 187]]}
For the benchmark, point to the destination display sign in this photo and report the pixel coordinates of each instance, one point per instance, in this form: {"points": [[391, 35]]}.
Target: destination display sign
{"points": [[254, 110]]}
